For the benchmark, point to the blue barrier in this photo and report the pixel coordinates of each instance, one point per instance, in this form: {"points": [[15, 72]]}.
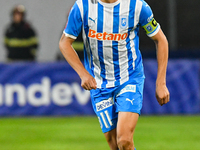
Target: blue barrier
{"points": [[35, 89], [183, 83], [42, 89]]}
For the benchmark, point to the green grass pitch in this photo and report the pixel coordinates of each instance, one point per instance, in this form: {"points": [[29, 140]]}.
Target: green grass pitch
{"points": [[84, 133]]}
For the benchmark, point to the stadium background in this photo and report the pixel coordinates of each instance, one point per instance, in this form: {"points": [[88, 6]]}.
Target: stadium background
{"points": [[50, 88]]}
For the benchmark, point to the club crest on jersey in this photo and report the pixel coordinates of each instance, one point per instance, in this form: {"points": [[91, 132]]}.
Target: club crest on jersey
{"points": [[123, 22]]}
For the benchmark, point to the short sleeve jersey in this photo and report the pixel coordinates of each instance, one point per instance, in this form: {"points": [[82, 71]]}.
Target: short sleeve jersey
{"points": [[111, 37]]}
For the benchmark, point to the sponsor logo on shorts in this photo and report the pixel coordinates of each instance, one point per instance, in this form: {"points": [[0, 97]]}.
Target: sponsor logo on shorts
{"points": [[104, 104], [128, 88]]}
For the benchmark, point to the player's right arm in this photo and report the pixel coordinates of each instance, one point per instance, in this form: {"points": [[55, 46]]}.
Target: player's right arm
{"points": [[72, 30], [65, 44]]}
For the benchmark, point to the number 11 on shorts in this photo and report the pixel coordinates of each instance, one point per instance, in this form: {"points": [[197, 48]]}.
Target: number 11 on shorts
{"points": [[105, 116]]}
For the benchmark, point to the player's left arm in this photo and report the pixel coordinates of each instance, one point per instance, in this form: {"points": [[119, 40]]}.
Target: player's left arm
{"points": [[154, 31], [162, 93]]}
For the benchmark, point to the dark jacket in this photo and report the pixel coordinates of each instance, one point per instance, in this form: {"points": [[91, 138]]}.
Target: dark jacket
{"points": [[21, 42]]}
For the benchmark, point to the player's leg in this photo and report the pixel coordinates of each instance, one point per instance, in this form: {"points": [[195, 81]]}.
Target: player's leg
{"points": [[128, 105], [111, 138], [105, 110], [125, 130], [122, 137], [108, 121]]}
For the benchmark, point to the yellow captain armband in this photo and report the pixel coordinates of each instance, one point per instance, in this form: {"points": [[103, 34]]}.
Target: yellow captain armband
{"points": [[152, 28]]}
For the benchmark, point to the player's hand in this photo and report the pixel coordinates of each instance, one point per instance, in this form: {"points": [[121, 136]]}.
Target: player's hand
{"points": [[162, 94], [88, 82]]}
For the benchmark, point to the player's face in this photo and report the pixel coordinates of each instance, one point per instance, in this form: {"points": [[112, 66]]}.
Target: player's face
{"points": [[17, 17]]}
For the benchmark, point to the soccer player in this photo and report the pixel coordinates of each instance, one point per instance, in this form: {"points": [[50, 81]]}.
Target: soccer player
{"points": [[113, 69]]}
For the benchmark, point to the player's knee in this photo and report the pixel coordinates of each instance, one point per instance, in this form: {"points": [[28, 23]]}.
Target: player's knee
{"points": [[124, 142]]}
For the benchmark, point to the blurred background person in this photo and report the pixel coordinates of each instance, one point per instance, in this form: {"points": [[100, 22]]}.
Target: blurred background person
{"points": [[20, 38]]}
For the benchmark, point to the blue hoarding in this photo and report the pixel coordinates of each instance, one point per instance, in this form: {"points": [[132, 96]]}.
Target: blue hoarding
{"points": [[43, 89], [183, 84]]}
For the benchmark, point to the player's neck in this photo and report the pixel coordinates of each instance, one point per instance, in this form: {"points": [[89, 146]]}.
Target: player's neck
{"points": [[109, 1]]}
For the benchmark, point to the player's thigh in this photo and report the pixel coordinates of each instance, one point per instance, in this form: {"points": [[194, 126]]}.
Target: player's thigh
{"points": [[126, 124], [130, 98], [106, 113]]}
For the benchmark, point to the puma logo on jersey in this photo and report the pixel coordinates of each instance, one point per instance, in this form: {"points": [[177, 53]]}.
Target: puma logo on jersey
{"points": [[107, 36], [127, 99], [93, 20]]}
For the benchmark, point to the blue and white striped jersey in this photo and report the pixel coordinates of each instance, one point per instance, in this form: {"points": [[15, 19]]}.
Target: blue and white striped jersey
{"points": [[111, 37]]}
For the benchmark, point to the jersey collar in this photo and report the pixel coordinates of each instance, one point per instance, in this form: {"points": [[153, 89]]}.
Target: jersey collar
{"points": [[109, 4]]}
